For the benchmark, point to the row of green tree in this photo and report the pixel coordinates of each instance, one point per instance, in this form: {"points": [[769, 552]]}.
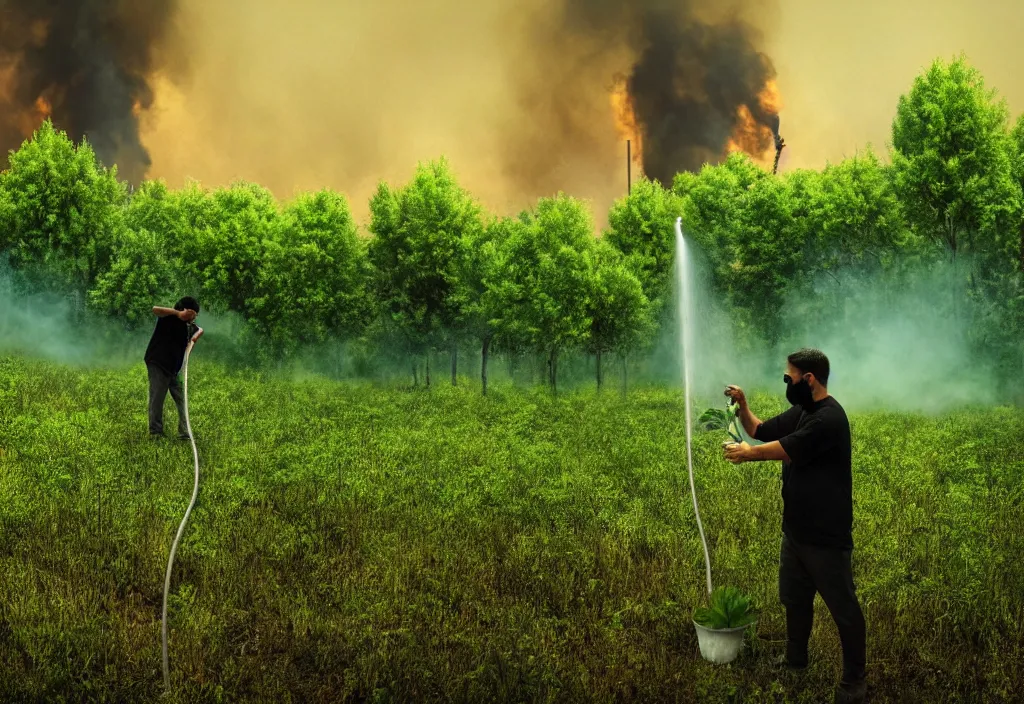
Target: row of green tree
{"points": [[436, 272]]}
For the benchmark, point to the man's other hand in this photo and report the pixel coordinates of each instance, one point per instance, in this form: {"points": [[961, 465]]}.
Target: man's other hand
{"points": [[737, 452], [736, 394]]}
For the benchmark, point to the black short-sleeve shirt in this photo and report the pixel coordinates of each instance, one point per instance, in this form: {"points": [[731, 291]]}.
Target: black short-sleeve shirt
{"points": [[817, 485], [167, 346]]}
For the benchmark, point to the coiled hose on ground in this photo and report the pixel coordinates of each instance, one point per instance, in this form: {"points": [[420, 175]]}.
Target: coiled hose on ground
{"points": [[181, 528]]}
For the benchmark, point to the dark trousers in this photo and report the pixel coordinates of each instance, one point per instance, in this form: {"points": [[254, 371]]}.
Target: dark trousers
{"points": [[160, 382], [808, 569]]}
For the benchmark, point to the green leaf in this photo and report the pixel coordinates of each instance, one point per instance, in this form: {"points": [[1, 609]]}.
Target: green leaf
{"points": [[730, 608]]}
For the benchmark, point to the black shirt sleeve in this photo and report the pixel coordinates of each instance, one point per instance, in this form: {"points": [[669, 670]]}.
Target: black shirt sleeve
{"points": [[778, 427], [820, 433]]}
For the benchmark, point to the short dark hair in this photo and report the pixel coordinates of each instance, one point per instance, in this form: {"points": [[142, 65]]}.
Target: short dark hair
{"points": [[811, 361], [187, 303]]}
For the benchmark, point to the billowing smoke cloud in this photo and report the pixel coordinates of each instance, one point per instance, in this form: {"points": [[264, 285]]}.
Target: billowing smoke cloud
{"points": [[516, 93], [698, 84], [87, 65]]}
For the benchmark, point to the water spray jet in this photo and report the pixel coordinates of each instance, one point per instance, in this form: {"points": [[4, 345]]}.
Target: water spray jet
{"points": [[682, 283], [720, 636]]}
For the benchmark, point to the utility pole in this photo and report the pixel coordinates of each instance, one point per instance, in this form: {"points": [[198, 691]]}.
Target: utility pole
{"points": [[780, 144]]}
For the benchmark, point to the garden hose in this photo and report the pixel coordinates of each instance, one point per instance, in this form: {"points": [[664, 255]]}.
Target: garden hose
{"points": [[685, 305], [181, 528]]}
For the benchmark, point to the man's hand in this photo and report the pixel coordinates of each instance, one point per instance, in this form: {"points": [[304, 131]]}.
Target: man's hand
{"points": [[737, 395], [749, 421], [738, 452], [187, 315], [741, 452], [195, 338]]}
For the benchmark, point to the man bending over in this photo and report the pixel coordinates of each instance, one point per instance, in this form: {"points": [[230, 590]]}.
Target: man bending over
{"points": [[164, 357]]}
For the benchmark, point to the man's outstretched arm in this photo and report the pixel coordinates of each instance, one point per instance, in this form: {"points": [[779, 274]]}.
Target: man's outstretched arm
{"points": [[750, 422], [742, 452], [186, 315]]}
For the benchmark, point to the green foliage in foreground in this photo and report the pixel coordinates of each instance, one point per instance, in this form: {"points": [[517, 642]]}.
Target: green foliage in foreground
{"points": [[727, 420], [730, 608], [361, 543]]}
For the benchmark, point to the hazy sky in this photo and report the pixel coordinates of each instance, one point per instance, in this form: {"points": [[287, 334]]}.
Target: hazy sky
{"points": [[843, 65], [310, 93]]}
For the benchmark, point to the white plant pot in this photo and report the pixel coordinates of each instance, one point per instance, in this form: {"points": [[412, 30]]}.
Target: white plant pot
{"points": [[720, 646]]}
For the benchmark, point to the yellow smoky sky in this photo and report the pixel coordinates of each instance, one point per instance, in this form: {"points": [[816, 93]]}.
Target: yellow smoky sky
{"points": [[844, 64], [303, 94]]}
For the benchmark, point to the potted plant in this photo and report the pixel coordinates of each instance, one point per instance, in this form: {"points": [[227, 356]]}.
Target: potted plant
{"points": [[720, 628], [727, 420]]}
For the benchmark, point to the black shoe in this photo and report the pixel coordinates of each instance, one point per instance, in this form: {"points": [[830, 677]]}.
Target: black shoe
{"points": [[184, 436], [851, 692], [783, 662], [157, 436]]}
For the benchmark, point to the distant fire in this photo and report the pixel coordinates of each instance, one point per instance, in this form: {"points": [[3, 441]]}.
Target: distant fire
{"points": [[25, 120], [30, 120], [755, 128], [771, 100], [43, 109], [750, 136], [625, 120]]}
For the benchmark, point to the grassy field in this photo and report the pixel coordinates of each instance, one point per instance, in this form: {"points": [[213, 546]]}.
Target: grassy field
{"points": [[361, 543]]}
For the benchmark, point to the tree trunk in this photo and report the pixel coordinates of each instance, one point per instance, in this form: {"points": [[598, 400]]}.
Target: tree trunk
{"points": [[1022, 247], [483, 363], [599, 371], [428, 369], [553, 365], [455, 363], [956, 288], [951, 235], [555, 380], [625, 378]]}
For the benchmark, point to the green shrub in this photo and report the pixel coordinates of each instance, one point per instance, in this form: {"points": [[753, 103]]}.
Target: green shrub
{"points": [[730, 608], [727, 420]]}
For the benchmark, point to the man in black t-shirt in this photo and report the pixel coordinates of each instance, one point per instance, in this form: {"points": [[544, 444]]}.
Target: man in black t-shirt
{"points": [[164, 358], [813, 441]]}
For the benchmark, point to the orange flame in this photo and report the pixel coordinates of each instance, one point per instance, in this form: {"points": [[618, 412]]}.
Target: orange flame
{"points": [[625, 119], [770, 98], [43, 109], [25, 120], [29, 120], [748, 136], [754, 138]]}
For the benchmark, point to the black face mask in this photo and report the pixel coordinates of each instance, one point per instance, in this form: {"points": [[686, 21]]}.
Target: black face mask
{"points": [[798, 394]]}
